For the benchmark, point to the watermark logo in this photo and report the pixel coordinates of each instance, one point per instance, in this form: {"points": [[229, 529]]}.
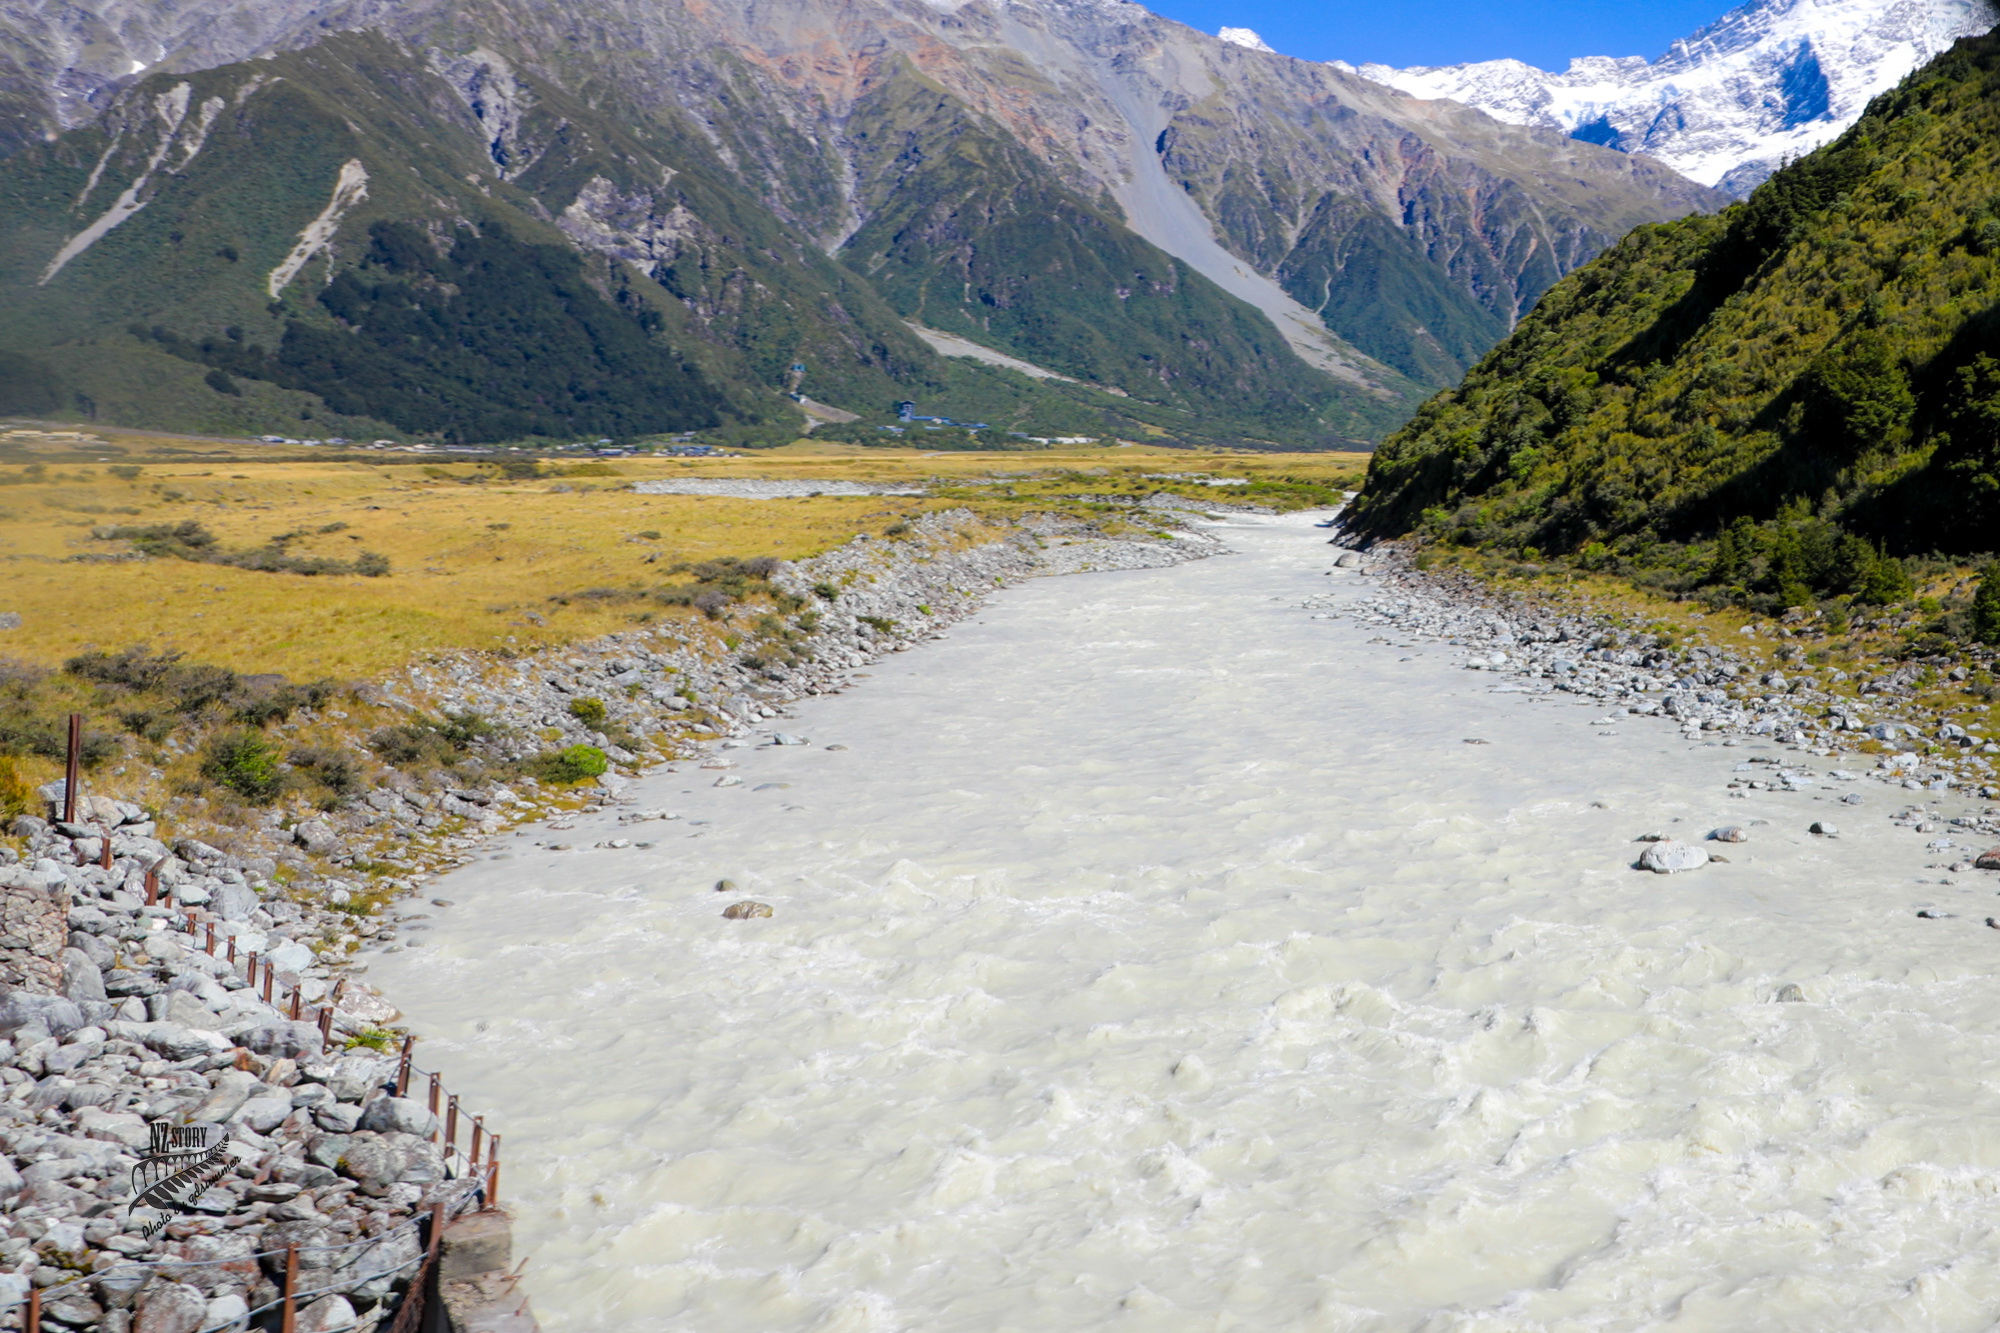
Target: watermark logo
{"points": [[178, 1167]]}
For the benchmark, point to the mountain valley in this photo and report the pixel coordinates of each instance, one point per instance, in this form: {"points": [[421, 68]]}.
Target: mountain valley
{"points": [[689, 202]]}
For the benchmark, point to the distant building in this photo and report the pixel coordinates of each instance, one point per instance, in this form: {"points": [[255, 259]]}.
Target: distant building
{"points": [[907, 412]]}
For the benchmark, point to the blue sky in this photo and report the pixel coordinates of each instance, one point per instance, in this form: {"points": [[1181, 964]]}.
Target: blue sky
{"points": [[1445, 32]]}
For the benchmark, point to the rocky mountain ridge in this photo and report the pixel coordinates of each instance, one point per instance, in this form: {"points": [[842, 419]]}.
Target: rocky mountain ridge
{"points": [[1078, 183], [1769, 81]]}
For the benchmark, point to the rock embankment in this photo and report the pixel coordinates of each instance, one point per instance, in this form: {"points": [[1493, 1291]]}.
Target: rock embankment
{"points": [[122, 1019], [1703, 688]]}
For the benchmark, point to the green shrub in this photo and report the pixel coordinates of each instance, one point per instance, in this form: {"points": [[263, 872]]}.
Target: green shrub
{"points": [[246, 763], [1886, 583], [826, 592], [1986, 606], [588, 711], [575, 763], [15, 795]]}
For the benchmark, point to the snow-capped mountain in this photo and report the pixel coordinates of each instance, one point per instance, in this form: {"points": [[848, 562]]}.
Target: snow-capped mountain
{"points": [[1766, 82], [1246, 38]]}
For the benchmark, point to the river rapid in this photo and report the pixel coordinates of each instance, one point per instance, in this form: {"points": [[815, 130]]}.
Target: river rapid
{"points": [[1158, 956]]}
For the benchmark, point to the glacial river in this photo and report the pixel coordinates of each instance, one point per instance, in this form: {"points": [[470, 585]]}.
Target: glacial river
{"points": [[1158, 956]]}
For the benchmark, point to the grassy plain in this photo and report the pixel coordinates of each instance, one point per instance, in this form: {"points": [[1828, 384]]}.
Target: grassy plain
{"points": [[476, 560]]}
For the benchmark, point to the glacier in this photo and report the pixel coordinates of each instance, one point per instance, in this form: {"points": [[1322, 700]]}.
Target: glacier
{"points": [[1768, 82]]}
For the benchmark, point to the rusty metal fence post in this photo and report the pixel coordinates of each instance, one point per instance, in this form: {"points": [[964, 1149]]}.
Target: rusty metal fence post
{"points": [[290, 1318], [73, 767]]}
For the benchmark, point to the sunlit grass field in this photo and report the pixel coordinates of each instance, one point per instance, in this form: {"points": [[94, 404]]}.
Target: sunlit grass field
{"points": [[476, 560]]}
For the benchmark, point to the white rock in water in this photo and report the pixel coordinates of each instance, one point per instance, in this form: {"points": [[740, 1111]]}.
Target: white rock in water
{"points": [[1670, 857]]}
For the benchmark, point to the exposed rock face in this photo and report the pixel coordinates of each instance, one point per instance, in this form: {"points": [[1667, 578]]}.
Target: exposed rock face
{"points": [[34, 927], [1768, 81]]}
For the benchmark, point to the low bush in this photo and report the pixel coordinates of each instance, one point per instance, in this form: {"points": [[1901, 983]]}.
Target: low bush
{"points": [[245, 762], [334, 771], [588, 711], [192, 541], [192, 687], [1986, 606], [439, 742], [16, 798], [575, 763]]}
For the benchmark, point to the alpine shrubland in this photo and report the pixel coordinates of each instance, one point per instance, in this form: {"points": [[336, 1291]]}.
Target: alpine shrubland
{"points": [[1792, 404]]}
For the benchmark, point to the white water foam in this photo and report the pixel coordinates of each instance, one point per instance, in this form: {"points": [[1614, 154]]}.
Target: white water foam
{"points": [[1159, 957]]}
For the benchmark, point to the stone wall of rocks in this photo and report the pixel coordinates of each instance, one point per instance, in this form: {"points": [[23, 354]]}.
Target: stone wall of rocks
{"points": [[149, 1027], [34, 929]]}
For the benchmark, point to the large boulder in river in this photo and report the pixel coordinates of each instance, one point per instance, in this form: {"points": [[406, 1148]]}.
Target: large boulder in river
{"points": [[1989, 860], [1671, 857]]}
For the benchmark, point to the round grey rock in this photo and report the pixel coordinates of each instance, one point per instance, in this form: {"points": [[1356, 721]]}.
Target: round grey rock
{"points": [[1671, 857]]}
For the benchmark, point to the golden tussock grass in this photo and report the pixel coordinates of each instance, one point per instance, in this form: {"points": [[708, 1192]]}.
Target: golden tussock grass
{"points": [[476, 561]]}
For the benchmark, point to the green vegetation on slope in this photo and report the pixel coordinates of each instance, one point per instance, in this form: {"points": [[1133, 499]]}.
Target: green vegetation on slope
{"points": [[1771, 405], [494, 340], [968, 233], [582, 267]]}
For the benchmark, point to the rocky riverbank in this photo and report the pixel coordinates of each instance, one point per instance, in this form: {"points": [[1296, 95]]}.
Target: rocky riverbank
{"points": [[116, 1015], [1535, 646], [131, 1013]]}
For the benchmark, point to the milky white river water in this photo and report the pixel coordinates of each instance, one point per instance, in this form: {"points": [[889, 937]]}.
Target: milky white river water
{"points": [[1159, 957]]}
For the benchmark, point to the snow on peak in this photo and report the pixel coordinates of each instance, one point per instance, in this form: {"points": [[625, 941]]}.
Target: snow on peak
{"points": [[1768, 81], [1244, 37]]}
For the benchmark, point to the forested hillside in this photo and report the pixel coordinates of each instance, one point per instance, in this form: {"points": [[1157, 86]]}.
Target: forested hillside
{"points": [[1761, 403]]}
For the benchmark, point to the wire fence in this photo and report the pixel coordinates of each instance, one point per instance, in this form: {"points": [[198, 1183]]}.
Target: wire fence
{"points": [[477, 1164]]}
